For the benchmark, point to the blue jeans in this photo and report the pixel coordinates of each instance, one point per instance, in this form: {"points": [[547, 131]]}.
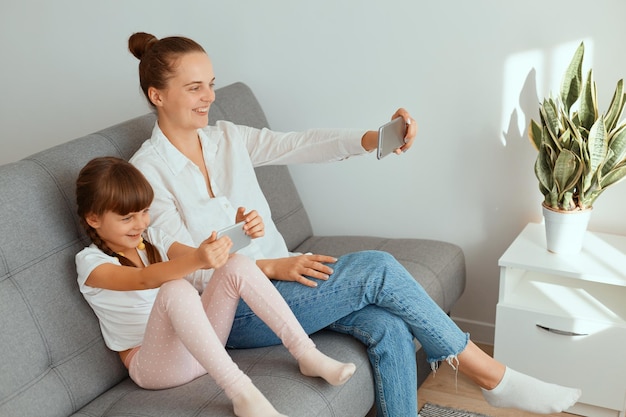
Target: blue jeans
{"points": [[373, 298]]}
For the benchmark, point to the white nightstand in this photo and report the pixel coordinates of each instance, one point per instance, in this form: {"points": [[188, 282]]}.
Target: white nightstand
{"points": [[562, 318]]}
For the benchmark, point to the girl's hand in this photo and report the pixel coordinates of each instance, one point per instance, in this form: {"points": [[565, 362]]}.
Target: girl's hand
{"points": [[254, 226], [298, 268], [214, 252]]}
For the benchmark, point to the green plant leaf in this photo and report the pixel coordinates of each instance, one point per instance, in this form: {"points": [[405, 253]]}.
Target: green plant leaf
{"points": [[613, 177], [573, 124], [565, 140], [597, 145], [567, 171], [589, 199], [570, 86], [551, 199], [616, 108], [617, 144], [550, 117], [553, 147], [588, 112], [534, 133], [567, 201], [543, 169]]}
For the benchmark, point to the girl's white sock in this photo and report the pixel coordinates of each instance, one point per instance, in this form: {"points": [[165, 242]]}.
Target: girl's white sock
{"points": [[250, 402], [315, 363], [523, 392]]}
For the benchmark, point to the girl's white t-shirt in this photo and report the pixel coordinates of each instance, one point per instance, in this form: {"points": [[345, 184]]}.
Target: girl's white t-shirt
{"points": [[123, 315]]}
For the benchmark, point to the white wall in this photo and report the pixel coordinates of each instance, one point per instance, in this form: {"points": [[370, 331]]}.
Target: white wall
{"points": [[463, 68]]}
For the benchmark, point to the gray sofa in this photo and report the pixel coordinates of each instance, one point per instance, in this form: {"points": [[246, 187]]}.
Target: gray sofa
{"points": [[53, 361]]}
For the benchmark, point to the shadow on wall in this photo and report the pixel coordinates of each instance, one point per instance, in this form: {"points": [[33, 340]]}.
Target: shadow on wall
{"points": [[528, 99]]}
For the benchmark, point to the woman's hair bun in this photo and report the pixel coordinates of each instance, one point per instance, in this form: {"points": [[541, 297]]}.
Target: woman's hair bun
{"points": [[140, 42]]}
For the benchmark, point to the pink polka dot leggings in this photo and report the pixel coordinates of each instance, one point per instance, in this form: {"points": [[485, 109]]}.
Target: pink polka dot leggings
{"points": [[186, 332]]}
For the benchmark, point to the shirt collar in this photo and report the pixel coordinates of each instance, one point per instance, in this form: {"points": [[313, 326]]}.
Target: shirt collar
{"points": [[209, 146], [172, 157]]}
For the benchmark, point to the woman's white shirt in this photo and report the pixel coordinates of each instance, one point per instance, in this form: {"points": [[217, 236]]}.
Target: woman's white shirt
{"points": [[182, 206]]}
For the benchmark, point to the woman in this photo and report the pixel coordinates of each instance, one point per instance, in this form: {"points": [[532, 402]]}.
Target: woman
{"points": [[203, 174]]}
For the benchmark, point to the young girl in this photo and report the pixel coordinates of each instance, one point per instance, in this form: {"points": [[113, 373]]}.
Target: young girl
{"points": [[196, 169], [165, 333]]}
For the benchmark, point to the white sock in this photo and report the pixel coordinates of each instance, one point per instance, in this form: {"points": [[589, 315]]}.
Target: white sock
{"points": [[250, 402], [315, 363], [517, 390]]}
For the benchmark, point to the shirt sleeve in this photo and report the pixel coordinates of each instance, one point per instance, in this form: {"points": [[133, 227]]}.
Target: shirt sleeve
{"points": [[267, 147], [170, 219], [86, 261]]}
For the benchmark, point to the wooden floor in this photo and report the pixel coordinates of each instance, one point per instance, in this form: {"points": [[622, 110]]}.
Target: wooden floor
{"points": [[451, 390]]}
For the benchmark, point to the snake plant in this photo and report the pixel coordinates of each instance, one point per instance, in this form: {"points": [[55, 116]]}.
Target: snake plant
{"points": [[580, 151]]}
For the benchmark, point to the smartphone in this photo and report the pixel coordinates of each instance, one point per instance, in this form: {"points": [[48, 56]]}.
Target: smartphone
{"points": [[390, 137], [239, 238]]}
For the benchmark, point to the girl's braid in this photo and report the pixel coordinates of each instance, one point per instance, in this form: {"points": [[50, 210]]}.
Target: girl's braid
{"points": [[95, 238]]}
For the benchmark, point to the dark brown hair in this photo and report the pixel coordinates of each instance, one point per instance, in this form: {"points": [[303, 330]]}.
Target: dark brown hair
{"points": [[158, 58], [112, 184]]}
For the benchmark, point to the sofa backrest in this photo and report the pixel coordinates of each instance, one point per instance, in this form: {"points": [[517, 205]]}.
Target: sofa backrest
{"points": [[52, 357]]}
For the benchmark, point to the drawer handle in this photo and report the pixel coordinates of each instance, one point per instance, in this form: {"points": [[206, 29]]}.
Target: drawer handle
{"points": [[561, 332]]}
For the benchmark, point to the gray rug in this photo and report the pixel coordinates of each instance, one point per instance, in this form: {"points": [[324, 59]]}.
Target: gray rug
{"points": [[432, 410]]}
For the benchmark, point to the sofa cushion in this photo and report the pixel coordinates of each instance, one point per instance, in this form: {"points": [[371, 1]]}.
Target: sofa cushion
{"points": [[272, 371]]}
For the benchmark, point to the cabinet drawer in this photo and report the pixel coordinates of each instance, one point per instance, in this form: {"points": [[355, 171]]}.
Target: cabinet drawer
{"points": [[565, 350]]}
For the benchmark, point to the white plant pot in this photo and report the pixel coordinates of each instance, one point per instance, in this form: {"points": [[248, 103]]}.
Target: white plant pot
{"points": [[565, 230]]}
